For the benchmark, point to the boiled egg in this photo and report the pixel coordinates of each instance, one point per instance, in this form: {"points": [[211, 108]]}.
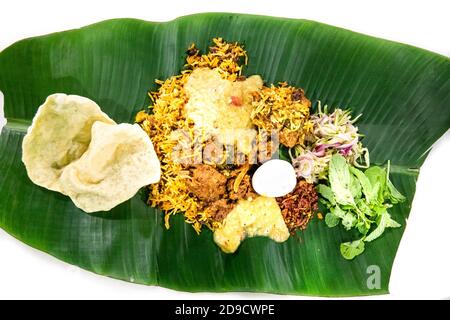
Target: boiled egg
{"points": [[274, 178]]}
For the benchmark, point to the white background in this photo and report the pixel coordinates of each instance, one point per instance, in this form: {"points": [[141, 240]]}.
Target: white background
{"points": [[422, 266]]}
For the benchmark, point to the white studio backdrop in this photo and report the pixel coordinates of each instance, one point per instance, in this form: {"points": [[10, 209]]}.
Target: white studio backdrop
{"points": [[423, 260]]}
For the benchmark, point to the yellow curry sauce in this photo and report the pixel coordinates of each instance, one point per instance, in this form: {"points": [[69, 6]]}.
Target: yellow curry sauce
{"points": [[250, 218]]}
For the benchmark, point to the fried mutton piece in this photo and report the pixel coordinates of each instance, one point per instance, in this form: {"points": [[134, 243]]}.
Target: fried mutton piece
{"points": [[207, 184]]}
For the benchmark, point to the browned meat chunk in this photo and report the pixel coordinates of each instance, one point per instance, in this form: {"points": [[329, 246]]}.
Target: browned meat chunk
{"points": [[207, 183], [219, 209], [244, 190]]}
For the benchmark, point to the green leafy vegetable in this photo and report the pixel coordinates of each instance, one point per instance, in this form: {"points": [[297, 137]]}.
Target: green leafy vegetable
{"points": [[382, 222], [349, 220], [364, 182], [331, 220], [355, 188], [340, 180], [377, 178], [338, 212], [349, 250], [394, 195], [359, 200], [385, 221], [326, 193]]}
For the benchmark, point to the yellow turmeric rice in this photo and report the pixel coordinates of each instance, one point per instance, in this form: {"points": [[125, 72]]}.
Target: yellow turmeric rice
{"points": [[286, 105]]}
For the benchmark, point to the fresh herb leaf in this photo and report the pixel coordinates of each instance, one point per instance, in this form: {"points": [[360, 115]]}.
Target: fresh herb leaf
{"points": [[385, 221], [363, 226], [331, 220], [394, 195], [377, 178], [350, 250], [349, 220], [355, 188], [365, 184], [358, 200], [365, 209], [391, 192], [326, 192], [338, 212], [392, 223], [380, 228], [340, 179]]}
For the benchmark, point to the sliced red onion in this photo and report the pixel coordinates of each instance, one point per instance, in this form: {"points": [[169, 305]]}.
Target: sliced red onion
{"points": [[319, 151], [303, 166], [348, 145], [345, 151]]}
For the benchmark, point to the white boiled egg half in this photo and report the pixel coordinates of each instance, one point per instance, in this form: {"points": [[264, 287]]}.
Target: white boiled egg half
{"points": [[275, 178]]}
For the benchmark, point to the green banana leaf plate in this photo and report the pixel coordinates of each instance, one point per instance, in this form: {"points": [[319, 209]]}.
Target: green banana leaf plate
{"points": [[403, 93]]}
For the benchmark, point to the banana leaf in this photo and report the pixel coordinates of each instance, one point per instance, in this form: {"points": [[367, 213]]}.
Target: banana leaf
{"points": [[402, 91]]}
